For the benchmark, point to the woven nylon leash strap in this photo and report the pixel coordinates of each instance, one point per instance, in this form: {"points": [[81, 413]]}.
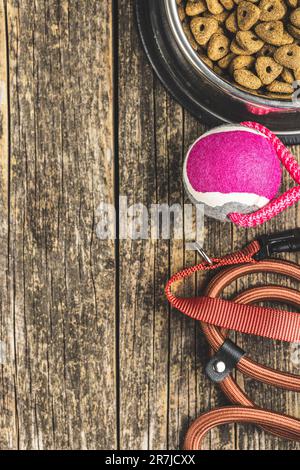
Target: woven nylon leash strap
{"points": [[267, 322], [240, 264], [234, 414]]}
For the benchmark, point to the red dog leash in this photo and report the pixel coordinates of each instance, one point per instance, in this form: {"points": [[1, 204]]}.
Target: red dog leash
{"points": [[240, 315]]}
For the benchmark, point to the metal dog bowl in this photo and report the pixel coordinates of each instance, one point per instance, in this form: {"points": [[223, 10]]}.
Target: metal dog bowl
{"points": [[196, 87]]}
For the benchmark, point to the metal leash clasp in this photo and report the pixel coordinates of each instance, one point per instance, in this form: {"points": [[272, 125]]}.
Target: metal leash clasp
{"points": [[202, 253]]}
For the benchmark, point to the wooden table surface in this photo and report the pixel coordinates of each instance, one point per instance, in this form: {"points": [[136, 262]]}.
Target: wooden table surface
{"points": [[91, 355]]}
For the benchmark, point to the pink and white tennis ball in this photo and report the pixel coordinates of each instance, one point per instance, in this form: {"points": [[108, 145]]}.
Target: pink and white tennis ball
{"points": [[232, 169]]}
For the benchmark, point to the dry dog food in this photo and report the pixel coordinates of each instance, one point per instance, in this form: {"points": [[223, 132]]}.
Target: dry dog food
{"points": [[253, 43]]}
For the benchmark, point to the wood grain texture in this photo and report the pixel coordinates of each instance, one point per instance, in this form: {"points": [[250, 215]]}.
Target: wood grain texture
{"points": [[91, 355], [137, 291], [7, 408], [59, 329]]}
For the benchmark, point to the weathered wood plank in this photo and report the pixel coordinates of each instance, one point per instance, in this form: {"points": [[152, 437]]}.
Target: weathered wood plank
{"points": [[169, 138], [137, 294], [8, 434], [62, 278]]}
